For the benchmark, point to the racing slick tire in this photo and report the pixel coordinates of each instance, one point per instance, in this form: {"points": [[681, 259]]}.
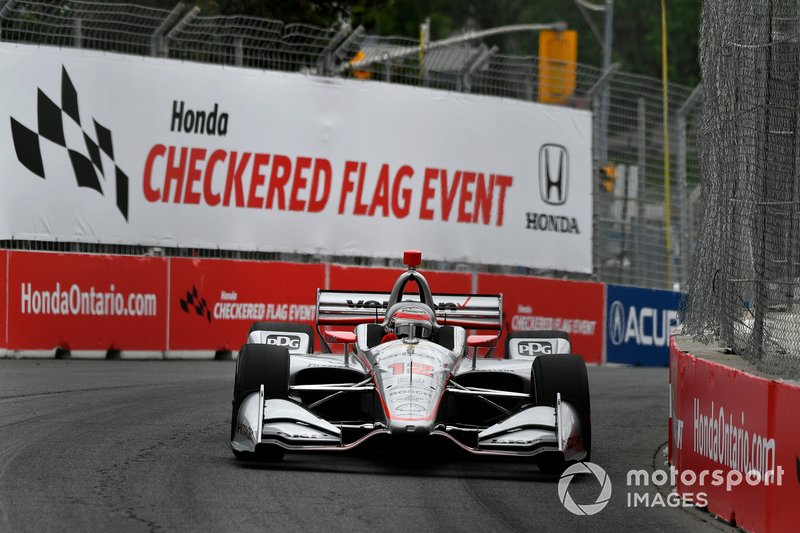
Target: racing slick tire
{"points": [[565, 374], [285, 326], [257, 365]]}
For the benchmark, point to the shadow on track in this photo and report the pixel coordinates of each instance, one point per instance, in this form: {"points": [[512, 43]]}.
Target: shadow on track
{"points": [[419, 460]]}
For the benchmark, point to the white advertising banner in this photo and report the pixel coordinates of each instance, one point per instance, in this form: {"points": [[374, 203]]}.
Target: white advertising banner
{"points": [[121, 149]]}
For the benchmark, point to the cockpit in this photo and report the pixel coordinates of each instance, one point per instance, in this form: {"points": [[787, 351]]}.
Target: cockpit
{"points": [[410, 319], [409, 312]]}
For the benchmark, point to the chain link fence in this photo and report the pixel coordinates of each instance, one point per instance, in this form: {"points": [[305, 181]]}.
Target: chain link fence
{"points": [[743, 290], [630, 233]]}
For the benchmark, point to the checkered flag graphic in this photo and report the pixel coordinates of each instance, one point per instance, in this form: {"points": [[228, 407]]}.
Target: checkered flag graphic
{"points": [[50, 126], [193, 301]]}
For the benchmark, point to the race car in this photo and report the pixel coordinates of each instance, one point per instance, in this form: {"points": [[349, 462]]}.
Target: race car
{"points": [[409, 369]]}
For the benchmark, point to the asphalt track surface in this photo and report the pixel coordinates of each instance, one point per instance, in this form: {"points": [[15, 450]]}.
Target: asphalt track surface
{"points": [[142, 446]]}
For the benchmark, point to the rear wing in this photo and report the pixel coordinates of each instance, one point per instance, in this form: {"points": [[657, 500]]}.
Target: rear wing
{"points": [[470, 311]]}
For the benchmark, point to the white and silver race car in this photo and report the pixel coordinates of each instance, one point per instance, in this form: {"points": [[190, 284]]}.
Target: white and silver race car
{"points": [[410, 370]]}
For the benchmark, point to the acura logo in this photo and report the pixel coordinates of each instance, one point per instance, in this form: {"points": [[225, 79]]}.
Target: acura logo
{"points": [[616, 323], [553, 173]]}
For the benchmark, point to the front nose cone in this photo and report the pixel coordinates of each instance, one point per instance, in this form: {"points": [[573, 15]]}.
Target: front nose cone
{"points": [[410, 427]]}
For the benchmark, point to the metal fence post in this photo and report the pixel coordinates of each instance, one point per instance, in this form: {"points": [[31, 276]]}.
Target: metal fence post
{"points": [[157, 46], [76, 32], [5, 9], [593, 96], [424, 39], [762, 193], [641, 162], [182, 23], [325, 58], [337, 51], [594, 102], [479, 60], [597, 89], [792, 261], [683, 189], [606, 101], [238, 51]]}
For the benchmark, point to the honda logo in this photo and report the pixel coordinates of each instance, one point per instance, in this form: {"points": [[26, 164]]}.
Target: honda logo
{"points": [[553, 173]]}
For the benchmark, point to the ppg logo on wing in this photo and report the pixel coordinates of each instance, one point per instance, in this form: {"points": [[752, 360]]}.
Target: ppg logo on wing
{"points": [[532, 348], [287, 341], [295, 342]]}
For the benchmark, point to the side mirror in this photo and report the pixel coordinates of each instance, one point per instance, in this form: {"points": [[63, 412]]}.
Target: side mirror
{"points": [[482, 341], [339, 337]]}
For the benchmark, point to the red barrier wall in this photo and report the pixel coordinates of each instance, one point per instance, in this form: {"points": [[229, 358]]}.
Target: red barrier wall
{"points": [[3, 306], [87, 302], [209, 304], [725, 419], [213, 302], [540, 303], [783, 512]]}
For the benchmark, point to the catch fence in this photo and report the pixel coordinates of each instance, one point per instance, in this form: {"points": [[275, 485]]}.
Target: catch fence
{"points": [[743, 290], [631, 229]]}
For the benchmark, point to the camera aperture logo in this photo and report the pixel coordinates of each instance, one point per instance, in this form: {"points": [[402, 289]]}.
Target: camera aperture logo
{"points": [[590, 508]]}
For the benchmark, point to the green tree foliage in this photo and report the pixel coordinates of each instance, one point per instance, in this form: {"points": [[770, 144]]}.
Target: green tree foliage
{"points": [[305, 11], [636, 38]]}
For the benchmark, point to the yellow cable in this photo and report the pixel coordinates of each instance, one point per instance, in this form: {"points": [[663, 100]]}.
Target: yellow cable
{"points": [[667, 209]]}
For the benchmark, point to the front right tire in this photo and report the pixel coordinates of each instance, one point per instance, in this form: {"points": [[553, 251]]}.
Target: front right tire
{"points": [[563, 374], [258, 365]]}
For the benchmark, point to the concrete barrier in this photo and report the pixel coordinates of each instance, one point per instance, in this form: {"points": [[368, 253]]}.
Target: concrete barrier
{"points": [[735, 437]]}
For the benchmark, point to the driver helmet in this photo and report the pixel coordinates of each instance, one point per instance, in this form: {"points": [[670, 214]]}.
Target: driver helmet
{"points": [[413, 323]]}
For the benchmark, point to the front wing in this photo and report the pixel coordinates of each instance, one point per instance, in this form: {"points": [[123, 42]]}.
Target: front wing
{"points": [[268, 422]]}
